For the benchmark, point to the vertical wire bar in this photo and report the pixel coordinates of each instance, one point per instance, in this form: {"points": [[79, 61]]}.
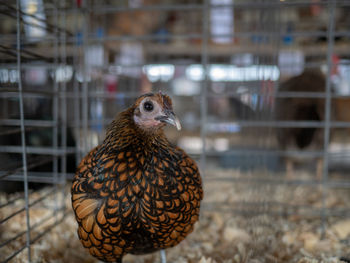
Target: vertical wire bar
{"points": [[328, 105], [85, 84], [278, 48], [24, 149], [252, 93], [263, 28], [55, 110], [63, 54], [276, 84], [203, 101], [270, 83], [76, 92]]}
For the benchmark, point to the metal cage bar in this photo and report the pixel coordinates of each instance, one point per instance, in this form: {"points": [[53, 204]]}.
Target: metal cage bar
{"points": [[23, 140], [20, 55]]}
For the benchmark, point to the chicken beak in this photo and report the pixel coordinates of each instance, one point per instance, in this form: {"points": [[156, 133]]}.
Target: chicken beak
{"points": [[171, 119]]}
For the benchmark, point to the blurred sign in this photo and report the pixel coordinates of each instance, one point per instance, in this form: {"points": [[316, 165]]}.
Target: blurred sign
{"points": [[34, 18], [185, 87], [221, 21], [64, 73], [94, 55], [291, 62], [131, 59], [8, 75], [35, 76], [159, 72], [244, 59], [222, 72]]}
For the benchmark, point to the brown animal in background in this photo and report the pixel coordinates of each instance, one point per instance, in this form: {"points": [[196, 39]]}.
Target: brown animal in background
{"points": [[342, 108], [136, 192], [302, 109]]}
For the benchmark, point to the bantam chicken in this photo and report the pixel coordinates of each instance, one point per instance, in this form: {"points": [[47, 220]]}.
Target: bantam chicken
{"points": [[136, 192]]}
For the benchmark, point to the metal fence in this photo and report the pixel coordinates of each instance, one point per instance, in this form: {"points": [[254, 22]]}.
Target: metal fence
{"points": [[67, 68], [33, 131]]}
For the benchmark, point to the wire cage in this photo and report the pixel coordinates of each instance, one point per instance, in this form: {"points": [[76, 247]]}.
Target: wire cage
{"points": [[262, 90], [36, 144]]}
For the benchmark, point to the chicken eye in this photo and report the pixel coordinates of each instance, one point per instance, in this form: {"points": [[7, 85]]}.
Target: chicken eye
{"points": [[148, 106]]}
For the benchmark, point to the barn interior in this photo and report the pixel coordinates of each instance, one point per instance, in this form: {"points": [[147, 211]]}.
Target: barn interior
{"points": [[262, 90]]}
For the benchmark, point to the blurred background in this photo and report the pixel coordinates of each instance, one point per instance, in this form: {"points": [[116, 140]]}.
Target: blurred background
{"points": [[262, 89]]}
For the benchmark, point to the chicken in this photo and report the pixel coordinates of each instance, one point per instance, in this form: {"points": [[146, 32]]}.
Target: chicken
{"points": [[136, 192], [302, 109]]}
